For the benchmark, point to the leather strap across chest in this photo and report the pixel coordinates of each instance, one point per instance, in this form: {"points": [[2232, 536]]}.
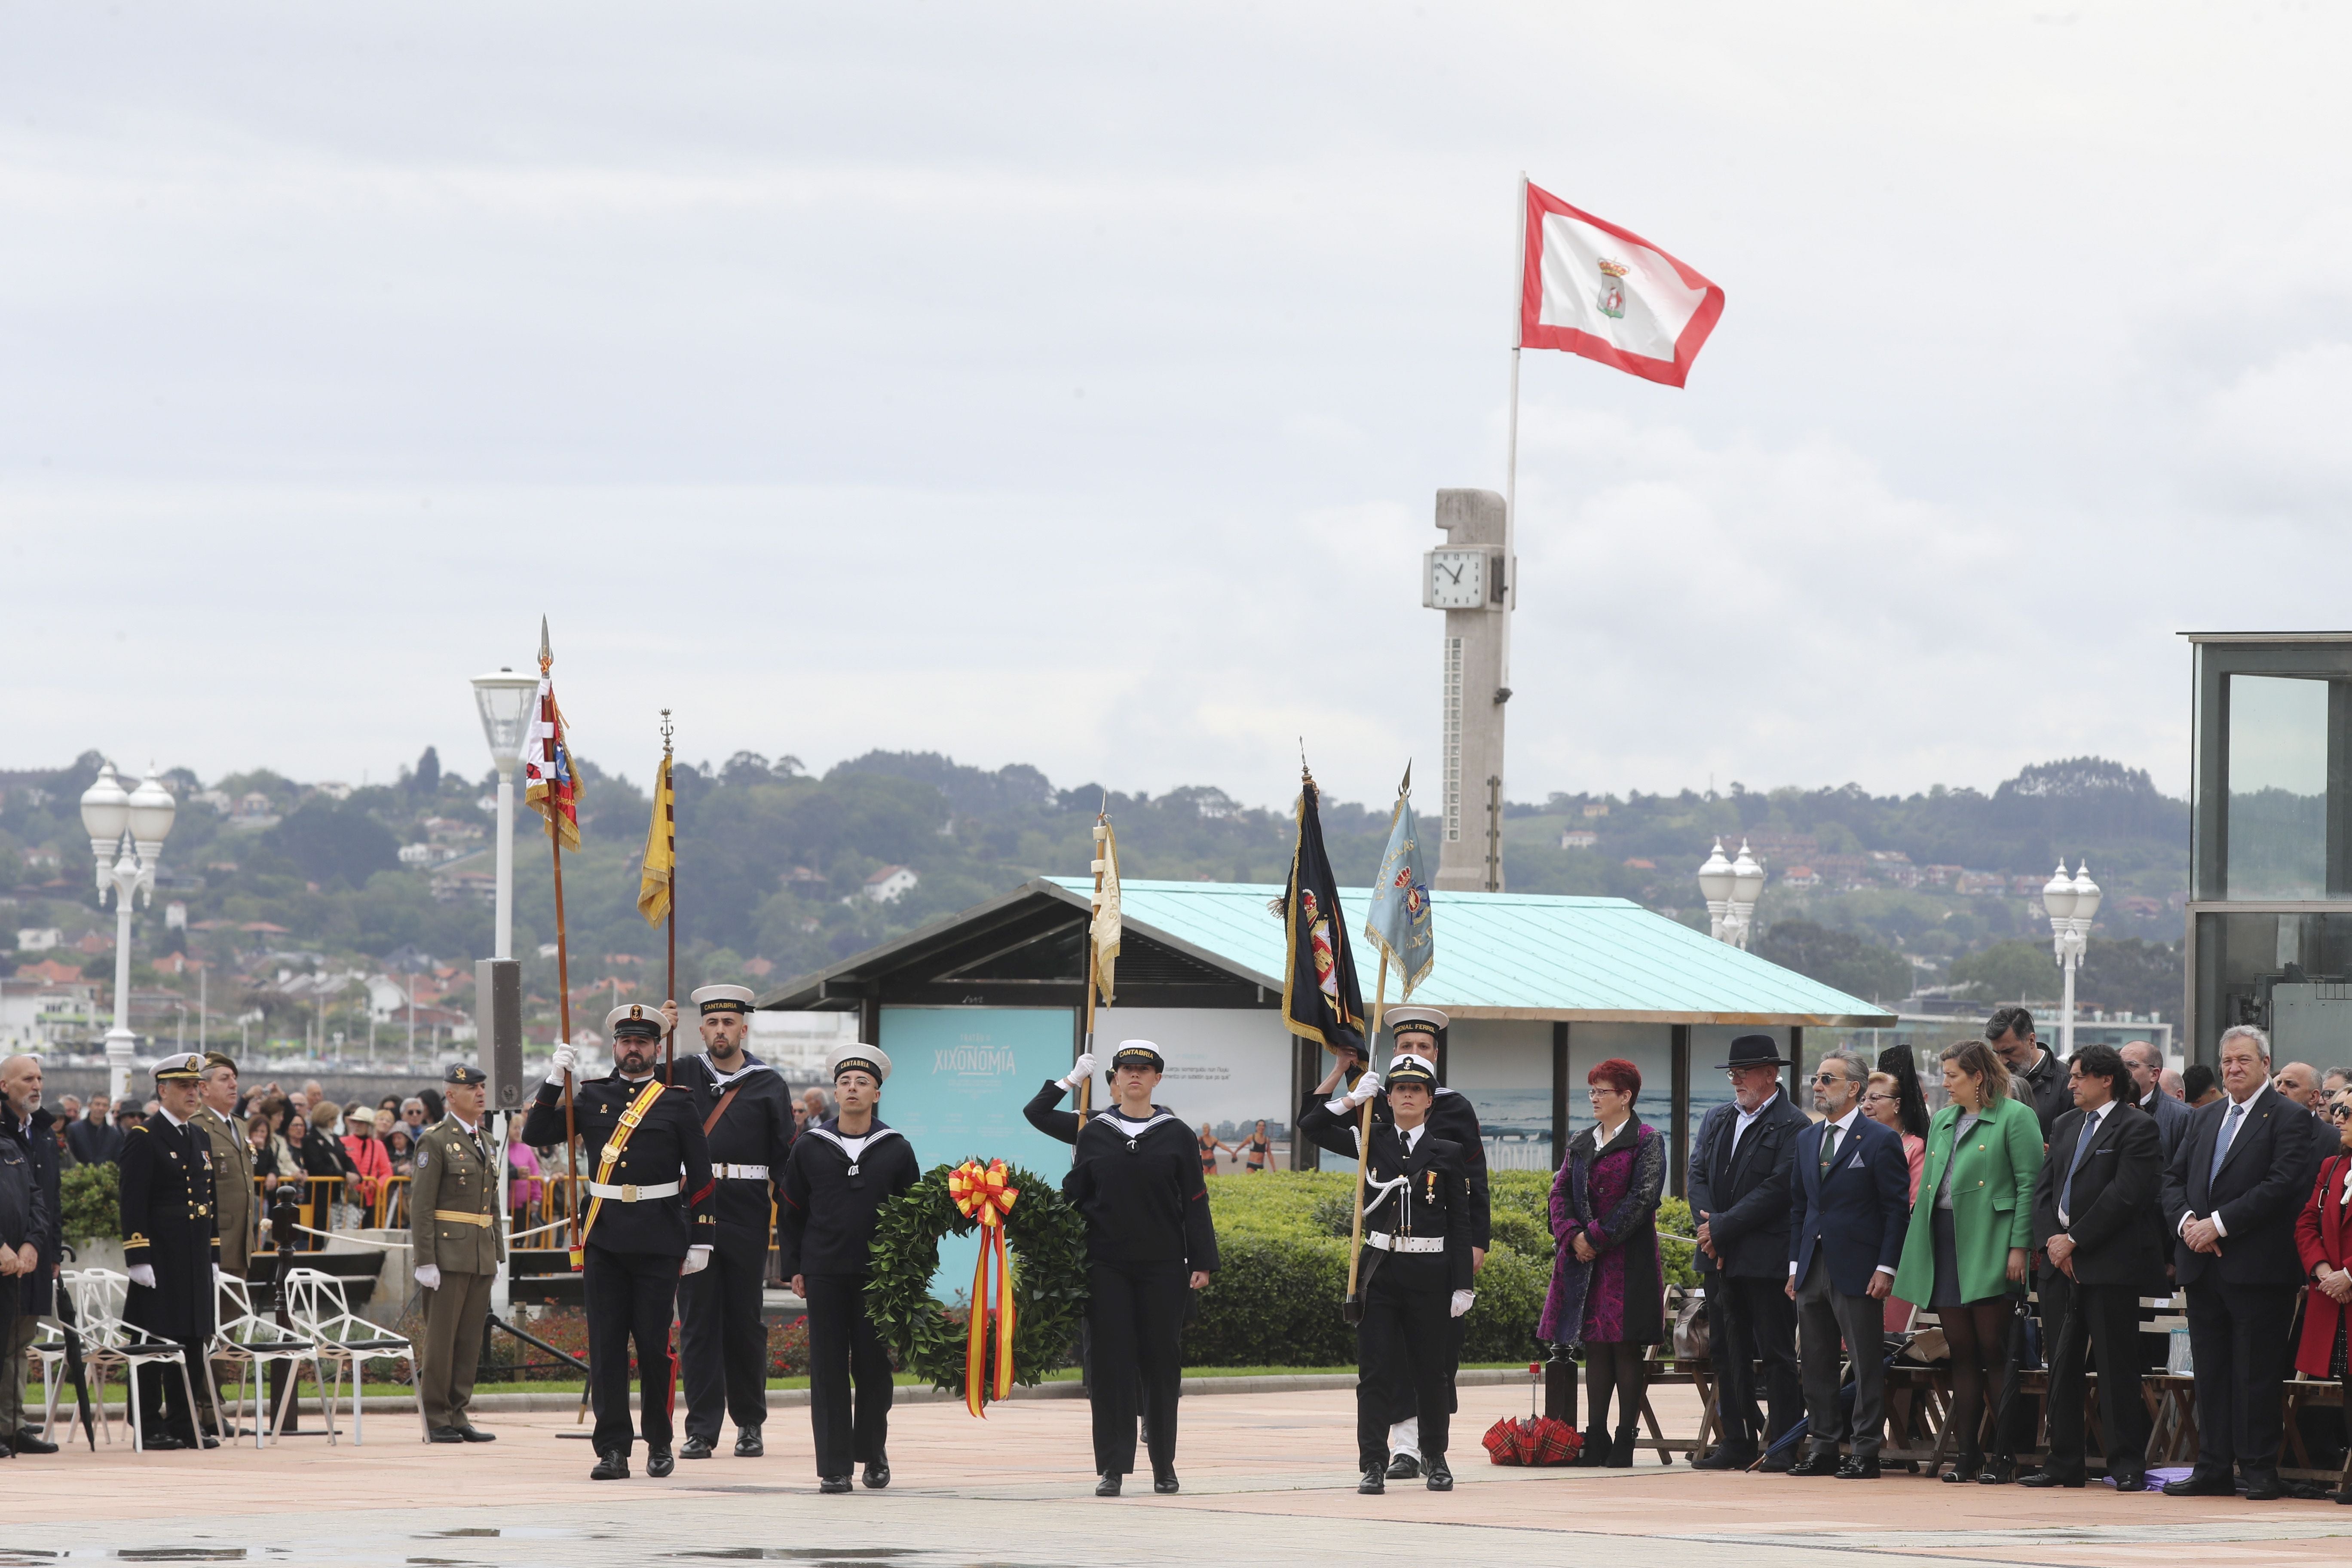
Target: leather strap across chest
{"points": [[613, 1146]]}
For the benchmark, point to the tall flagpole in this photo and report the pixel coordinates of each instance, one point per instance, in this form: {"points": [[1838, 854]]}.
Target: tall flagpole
{"points": [[1511, 457], [670, 828], [1087, 1090], [563, 978]]}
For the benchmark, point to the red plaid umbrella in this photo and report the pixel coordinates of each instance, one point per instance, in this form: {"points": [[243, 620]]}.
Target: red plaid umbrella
{"points": [[1532, 1439]]}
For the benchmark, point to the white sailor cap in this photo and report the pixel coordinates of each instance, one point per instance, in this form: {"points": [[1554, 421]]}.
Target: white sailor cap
{"points": [[864, 1058], [1414, 1020], [1138, 1054], [723, 999], [187, 1066], [636, 1018]]}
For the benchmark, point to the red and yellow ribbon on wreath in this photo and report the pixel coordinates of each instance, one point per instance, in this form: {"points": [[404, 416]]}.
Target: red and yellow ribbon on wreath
{"points": [[981, 1195]]}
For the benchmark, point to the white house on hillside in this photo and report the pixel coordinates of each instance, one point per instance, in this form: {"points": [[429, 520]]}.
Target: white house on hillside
{"points": [[890, 884]]}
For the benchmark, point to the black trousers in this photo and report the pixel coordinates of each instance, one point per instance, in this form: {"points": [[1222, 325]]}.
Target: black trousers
{"points": [[2102, 1322], [2237, 1335], [1135, 1328], [630, 1296], [850, 1429], [1407, 1324], [1752, 1320], [1403, 1403], [722, 1339], [163, 1401]]}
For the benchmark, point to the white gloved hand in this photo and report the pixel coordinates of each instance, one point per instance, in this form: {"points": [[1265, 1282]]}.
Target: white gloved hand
{"points": [[142, 1274], [1080, 1070], [1461, 1300], [567, 1060], [429, 1275], [697, 1259], [1366, 1087]]}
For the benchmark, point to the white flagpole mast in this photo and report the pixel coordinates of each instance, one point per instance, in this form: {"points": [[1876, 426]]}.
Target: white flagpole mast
{"points": [[1511, 461]]}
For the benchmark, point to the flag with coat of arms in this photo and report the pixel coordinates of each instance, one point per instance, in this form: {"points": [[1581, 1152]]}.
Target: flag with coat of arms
{"points": [[550, 787], [1592, 289], [1401, 923]]}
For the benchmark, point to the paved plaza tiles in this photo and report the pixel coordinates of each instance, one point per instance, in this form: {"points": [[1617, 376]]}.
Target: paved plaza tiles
{"points": [[1268, 1479]]}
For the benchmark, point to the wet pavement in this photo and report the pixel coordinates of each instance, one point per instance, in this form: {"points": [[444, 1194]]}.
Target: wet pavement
{"points": [[1266, 1476]]}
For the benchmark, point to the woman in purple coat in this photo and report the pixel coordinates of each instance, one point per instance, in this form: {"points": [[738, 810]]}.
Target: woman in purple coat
{"points": [[1607, 1291]]}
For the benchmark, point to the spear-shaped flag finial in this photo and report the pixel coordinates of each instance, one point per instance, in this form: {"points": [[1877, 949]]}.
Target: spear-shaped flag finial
{"points": [[546, 653]]}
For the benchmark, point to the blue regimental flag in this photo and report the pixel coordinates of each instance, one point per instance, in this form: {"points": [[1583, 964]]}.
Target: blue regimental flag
{"points": [[1399, 923]]}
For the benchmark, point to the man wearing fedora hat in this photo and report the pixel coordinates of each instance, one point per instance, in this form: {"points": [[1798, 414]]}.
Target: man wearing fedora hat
{"points": [[1741, 1167]]}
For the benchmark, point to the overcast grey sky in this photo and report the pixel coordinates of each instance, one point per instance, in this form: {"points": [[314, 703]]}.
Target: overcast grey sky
{"points": [[1069, 384]]}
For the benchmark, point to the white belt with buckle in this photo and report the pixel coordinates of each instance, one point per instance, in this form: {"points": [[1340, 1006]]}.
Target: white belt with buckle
{"points": [[739, 1173], [630, 1193], [1388, 1243]]}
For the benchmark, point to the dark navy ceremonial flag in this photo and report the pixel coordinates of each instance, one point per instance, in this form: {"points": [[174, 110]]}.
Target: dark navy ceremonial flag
{"points": [[1320, 997]]}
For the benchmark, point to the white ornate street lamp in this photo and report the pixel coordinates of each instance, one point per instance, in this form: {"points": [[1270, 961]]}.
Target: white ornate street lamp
{"points": [[504, 700], [1731, 889], [2071, 903], [127, 826]]}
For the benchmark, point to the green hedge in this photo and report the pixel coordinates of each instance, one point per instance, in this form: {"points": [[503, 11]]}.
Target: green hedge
{"points": [[90, 1201], [1282, 1240]]}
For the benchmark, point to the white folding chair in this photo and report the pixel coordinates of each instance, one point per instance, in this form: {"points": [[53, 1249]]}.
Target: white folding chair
{"points": [[251, 1343], [99, 1297], [320, 1313]]}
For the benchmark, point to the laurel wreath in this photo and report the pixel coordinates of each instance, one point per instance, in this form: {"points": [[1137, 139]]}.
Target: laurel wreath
{"points": [[1048, 1238]]}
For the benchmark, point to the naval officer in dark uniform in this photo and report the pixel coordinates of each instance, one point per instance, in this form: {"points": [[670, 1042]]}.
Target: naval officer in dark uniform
{"points": [[745, 1112], [647, 1222], [838, 1174], [1135, 1173], [170, 1248], [1416, 1272], [1419, 1031]]}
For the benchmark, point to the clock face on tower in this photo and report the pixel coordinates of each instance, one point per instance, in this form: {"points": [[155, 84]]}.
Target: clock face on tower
{"points": [[1457, 579]]}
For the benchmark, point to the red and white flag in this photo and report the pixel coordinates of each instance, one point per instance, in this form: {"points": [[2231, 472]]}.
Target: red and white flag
{"points": [[1604, 293]]}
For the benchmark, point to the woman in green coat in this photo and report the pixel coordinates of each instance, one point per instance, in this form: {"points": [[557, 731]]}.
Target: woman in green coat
{"points": [[1972, 1234]]}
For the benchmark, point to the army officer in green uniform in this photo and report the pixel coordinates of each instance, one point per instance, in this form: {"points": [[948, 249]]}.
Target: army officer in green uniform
{"points": [[453, 1232]]}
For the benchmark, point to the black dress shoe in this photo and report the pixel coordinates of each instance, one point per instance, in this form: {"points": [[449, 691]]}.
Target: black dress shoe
{"points": [[748, 1445], [1965, 1470], [611, 1467], [833, 1485], [2344, 1496], [2131, 1483], [877, 1474], [1779, 1465], [31, 1443], [473, 1434], [162, 1442], [1818, 1462], [1107, 1485], [696, 1447], [1998, 1472], [1720, 1458], [1163, 1481], [2046, 1478], [2265, 1489], [2194, 1484], [1375, 1482], [1403, 1467], [1441, 1479], [659, 1462], [1858, 1468], [445, 1435]]}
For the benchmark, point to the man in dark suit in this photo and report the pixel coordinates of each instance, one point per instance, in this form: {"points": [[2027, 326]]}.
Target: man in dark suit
{"points": [[2232, 1195], [2041, 1081], [2172, 1116], [1740, 1185], [1852, 1207], [2091, 1207]]}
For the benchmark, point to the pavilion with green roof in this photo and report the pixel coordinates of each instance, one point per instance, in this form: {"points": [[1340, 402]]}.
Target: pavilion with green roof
{"points": [[978, 1009]]}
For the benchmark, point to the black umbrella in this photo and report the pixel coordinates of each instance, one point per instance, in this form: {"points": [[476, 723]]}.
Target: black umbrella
{"points": [[73, 1363]]}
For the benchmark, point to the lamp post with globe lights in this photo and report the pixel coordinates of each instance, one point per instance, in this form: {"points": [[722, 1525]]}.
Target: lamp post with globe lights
{"points": [[2071, 903], [128, 828], [1731, 889], [504, 700]]}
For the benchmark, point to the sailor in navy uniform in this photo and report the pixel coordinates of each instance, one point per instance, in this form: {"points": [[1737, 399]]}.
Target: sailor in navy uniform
{"points": [[837, 1175], [745, 1112], [170, 1249], [1135, 1173], [648, 1222], [1419, 1031], [1416, 1269]]}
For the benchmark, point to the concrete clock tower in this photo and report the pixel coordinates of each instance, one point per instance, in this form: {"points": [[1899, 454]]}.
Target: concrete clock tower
{"points": [[1474, 578]]}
